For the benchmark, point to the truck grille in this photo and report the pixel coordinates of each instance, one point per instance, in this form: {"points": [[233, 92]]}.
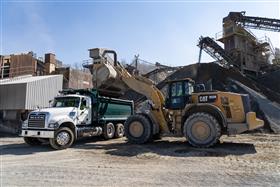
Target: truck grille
{"points": [[36, 120]]}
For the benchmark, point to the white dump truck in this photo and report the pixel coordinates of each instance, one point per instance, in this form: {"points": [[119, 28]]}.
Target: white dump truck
{"points": [[75, 114]]}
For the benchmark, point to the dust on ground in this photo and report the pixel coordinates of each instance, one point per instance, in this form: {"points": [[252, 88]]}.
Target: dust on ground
{"points": [[243, 160]]}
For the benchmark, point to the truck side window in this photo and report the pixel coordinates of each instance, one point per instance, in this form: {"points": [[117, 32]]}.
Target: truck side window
{"points": [[83, 104]]}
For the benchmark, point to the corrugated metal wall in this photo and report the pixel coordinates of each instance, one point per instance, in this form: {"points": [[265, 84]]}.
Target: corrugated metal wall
{"points": [[28, 95], [40, 92]]}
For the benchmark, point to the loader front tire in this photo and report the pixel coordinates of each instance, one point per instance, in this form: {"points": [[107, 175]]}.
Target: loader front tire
{"points": [[138, 129]]}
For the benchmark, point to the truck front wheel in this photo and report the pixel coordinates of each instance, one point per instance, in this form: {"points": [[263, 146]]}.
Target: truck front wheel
{"points": [[138, 129], [32, 141], [108, 131], [63, 138]]}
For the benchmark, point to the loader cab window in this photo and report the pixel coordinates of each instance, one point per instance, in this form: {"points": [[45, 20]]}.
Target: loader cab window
{"points": [[179, 93], [188, 88]]}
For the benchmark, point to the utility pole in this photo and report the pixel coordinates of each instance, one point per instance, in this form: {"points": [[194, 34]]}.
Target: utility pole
{"points": [[198, 64], [136, 63]]}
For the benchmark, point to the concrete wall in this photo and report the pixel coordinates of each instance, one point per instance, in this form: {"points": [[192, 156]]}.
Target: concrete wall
{"points": [[22, 64], [75, 79]]}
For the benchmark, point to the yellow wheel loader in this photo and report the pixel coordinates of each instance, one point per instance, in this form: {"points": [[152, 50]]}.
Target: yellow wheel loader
{"points": [[202, 117]]}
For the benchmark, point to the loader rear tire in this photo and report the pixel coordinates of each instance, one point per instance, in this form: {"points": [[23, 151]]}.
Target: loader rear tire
{"points": [[138, 129], [202, 130]]}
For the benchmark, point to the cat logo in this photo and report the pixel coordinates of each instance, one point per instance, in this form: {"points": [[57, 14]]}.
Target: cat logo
{"points": [[207, 98]]}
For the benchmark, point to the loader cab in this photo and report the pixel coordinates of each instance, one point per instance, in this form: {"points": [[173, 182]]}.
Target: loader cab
{"points": [[179, 93]]}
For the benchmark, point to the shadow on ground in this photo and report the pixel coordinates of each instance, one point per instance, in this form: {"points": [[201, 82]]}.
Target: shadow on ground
{"points": [[171, 148], [24, 149], [122, 148]]}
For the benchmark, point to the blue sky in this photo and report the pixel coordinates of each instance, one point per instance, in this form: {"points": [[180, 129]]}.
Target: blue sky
{"points": [[166, 32]]}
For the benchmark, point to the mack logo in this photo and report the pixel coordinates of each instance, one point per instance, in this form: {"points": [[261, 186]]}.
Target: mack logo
{"points": [[36, 116], [207, 98]]}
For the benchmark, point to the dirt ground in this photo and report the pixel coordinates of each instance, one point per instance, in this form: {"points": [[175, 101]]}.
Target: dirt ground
{"points": [[244, 160]]}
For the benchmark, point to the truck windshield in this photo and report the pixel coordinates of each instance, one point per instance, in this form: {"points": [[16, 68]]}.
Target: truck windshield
{"points": [[66, 102]]}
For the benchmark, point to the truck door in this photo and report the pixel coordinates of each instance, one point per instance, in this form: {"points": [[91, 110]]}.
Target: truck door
{"points": [[85, 112]]}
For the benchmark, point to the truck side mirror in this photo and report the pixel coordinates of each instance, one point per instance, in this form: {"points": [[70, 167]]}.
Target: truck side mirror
{"points": [[50, 103], [87, 104], [83, 104]]}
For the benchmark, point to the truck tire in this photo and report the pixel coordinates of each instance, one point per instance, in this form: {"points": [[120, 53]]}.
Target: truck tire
{"points": [[63, 138], [108, 131], [138, 129], [119, 130], [202, 130], [32, 141]]}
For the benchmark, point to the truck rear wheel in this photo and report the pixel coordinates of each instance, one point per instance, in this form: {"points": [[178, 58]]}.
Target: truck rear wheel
{"points": [[32, 141], [138, 129], [119, 130], [108, 131], [63, 138], [202, 130]]}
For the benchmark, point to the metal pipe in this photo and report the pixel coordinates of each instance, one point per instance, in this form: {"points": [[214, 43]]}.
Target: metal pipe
{"points": [[112, 52]]}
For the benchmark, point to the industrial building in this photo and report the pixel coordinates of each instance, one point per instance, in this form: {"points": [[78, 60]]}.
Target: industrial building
{"points": [[27, 63], [22, 94], [14, 65], [252, 56]]}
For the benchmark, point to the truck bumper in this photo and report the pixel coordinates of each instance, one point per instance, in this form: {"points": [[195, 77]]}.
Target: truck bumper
{"points": [[37, 133], [252, 122]]}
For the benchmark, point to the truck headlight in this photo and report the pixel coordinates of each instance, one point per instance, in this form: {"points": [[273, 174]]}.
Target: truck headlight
{"points": [[72, 115], [53, 125], [24, 124]]}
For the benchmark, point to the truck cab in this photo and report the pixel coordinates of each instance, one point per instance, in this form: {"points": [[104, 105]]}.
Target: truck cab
{"points": [[75, 114]]}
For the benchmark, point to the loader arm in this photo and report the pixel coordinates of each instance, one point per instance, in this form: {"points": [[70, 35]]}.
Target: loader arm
{"points": [[117, 75]]}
